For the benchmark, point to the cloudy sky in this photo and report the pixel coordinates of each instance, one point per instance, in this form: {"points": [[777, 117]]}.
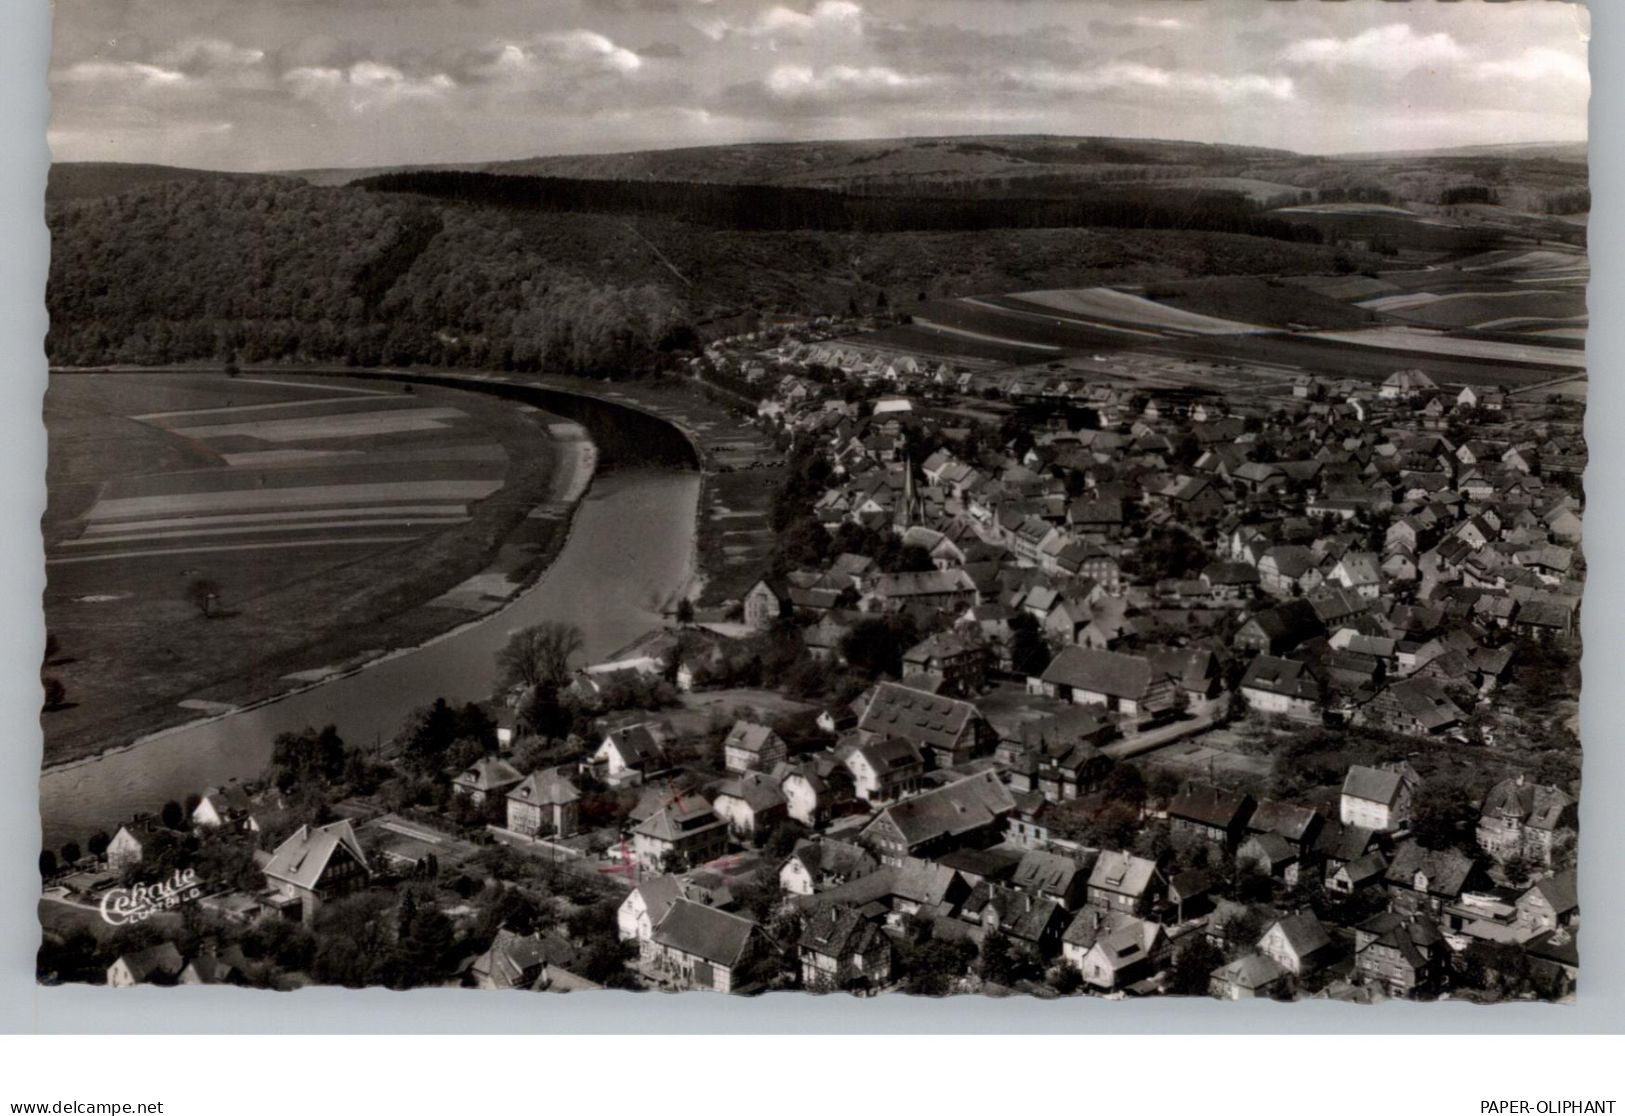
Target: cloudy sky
{"points": [[267, 84]]}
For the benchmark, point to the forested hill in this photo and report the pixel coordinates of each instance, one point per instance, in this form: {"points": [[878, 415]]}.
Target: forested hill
{"points": [[77, 181], [266, 269], [755, 208], [215, 268]]}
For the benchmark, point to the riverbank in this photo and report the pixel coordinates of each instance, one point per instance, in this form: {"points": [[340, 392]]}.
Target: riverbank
{"points": [[629, 549], [134, 650]]}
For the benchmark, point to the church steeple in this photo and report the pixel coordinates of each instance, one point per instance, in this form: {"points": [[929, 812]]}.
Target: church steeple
{"points": [[908, 508]]}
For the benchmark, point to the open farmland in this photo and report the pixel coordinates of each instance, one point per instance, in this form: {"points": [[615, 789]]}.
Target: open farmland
{"points": [[1112, 309], [1405, 339], [1271, 302], [325, 514], [1325, 357]]}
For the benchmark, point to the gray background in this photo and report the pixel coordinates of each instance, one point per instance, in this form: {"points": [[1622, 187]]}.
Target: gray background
{"points": [[24, 253]]}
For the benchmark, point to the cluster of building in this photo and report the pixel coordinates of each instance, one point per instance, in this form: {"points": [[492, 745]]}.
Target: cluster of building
{"points": [[1374, 557]]}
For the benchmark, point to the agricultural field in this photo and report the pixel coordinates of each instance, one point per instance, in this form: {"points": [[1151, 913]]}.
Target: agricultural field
{"points": [[1405, 339], [320, 515], [1284, 303]]}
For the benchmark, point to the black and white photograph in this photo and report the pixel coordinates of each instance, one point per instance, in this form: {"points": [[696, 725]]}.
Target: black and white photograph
{"points": [[967, 499]]}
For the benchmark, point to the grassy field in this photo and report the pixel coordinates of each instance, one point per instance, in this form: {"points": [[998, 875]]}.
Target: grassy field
{"points": [[1278, 303], [316, 562]]}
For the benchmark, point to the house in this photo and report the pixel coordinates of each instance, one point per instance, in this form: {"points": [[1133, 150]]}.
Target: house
{"points": [[884, 768], [512, 961], [226, 807], [314, 865], [159, 964], [1351, 877], [1204, 813], [1127, 684], [1550, 904], [1378, 798], [1286, 571], [647, 903], [1422, 880], [822, 863], [1247, 978], [1360, 571], [969, 811], [129, 845], [814, 788], [839, 949], [959, 661], [1520, 819], [701, 948], [1278, 630], [1124, 882], [631, 752], [1298, 943], [683, 833], [749, 804], [940, 589], [752, 747], [1417, 706], [947, 730], [545, 803], [1298, 826], [764, 604], [1281, 688], [1397, 954], [212, 968], [1408, 383], [1053, 876], [1112, 949], [488, 779]]}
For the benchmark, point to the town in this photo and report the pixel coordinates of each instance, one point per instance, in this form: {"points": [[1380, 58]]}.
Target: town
{"points": [[1052, 683]]}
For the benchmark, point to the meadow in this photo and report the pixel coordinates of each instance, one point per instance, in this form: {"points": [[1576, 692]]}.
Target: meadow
{"points": [[325, 517]]}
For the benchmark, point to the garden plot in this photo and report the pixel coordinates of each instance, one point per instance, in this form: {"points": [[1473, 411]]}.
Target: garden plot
{"points": [[322, 427], [1106, 307], [330, 495]]}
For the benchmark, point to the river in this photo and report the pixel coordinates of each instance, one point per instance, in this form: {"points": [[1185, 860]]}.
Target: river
{"points": [[630, 550]]}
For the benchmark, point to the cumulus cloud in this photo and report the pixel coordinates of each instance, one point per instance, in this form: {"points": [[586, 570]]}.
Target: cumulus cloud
{"points": [[1537, 64], [840, 18], [793, 82], [550, 55], [206, 55], [365, 85], [120, 72], [1137, 77], [1394, 48], [1117, 28]]}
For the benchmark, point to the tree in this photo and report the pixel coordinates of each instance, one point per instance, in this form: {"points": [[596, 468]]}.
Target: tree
{"points": [[204, 594], [47, 864], [934, 967], [1193, 965], [98, 842], [307, 757], [539, 655], [685, 611], [56, 694], [1029, 654], [1445, 815], [70, 853], [876, 646], [171, 815], [427, 736]]}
